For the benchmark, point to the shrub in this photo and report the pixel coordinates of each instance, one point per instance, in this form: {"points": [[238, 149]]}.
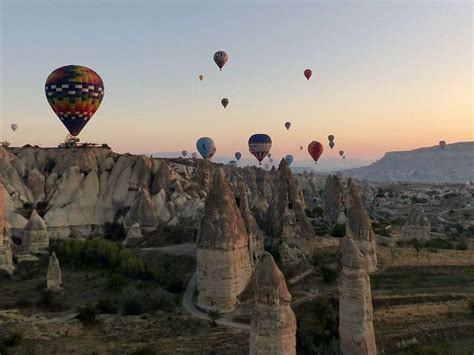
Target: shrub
{"points": [[462, 245], [88, 315], [329, 274], [132, 307], [116, 282], [13, 339], [106, 306], [318, 211], [439, 244], [338, 231], [144, 351]]}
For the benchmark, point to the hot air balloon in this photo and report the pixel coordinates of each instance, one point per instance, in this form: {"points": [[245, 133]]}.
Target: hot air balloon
{"points": [[442, 144], [331, 145], [233, 163], [341, 153], [287, 125], [225, 102], [266, 166], [301, 147], [74, 93], [289, 159], [201, 77], [270, 160], [308, 73], [238, 155], [206, 147], [184, 153], [220, 57], [260, 145], [14, 127], [315, 149], [331, 137], [194, 155], [269, 155]]}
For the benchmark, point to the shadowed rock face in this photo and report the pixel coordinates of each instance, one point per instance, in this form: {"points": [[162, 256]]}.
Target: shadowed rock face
{"points": [[223, 258], [332, 198], [142, 212], [273, 325], [53, 276], [417, 225], [6, 260], [359, 226], [35, 237], [356, 330]]}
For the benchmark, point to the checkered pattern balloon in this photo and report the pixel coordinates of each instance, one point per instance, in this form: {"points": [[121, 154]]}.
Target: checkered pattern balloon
{"points": [[74, 93]]}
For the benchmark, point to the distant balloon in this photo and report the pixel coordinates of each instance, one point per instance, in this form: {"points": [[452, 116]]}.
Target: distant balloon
{"points": [[220, 57], [315, 149], [301, 147], [14, 127], [287, 125], [238, 155], [194, 155], [206, 147], [341, 153], [331, 145], [270, 160], [331, 137], [344, 157], [442, 144], [184, 153], [225, 102], [266, 166], [233, 163], [201, 77], [74, 93], [308, 73], [289, 159], [260, 145], [269, 155]]}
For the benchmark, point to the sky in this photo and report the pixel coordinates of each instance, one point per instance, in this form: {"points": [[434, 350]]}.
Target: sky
{"points": [[387, 75]]}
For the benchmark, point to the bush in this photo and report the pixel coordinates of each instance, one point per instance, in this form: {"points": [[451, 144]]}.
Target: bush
{"points": [[462, 245], [338, 231], [132, 307], [116, 282], [144, 351], [329, 274], [13, 339], [318, 211], [106, 306], [88, 315], [439, 244]]}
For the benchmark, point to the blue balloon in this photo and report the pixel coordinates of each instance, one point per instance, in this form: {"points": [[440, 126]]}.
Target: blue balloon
{"points": [[238, 155], [289, 159], [206, 147]]}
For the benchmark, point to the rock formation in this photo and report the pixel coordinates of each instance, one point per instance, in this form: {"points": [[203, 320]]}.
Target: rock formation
{"points": [[356, 330], [223, 260], [35, 236], [273, 324], [53, 276], [359, 226], [142, 212], [6, 260], [417, 226], [286, 218], [332, 197], [290, 256], [134, 236]]}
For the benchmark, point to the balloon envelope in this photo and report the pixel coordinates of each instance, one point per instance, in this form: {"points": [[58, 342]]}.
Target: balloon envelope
{"points": [[289, 159], [225, 102], [341, 153], [301, 147], [14, 127], [206, 147], [269, 155], [238, 155], [331, 137], [220, 58], [287, 125], [315, 149], [184, 153], [260, 145], [201, 77], [270, 160], [442, 144], [331, 145], [308, 73], [74, 93]]}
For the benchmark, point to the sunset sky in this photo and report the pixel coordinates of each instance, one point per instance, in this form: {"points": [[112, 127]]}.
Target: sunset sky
{"points": [[387, 75]]}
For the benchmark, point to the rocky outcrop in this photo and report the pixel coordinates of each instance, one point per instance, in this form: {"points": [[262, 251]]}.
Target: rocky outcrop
{"points": [[290, 256], [417, 226], [359, 226], [53, 276], [36, 184], [6, 259], [134, 236], [273, 324], [286, 218], [332, 198], [356, 330], [35, 236], [223, 260], [142, 212]]}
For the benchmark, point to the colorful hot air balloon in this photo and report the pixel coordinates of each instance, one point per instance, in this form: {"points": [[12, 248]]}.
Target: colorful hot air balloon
{"points": [[238, 155], [315, 149], [194, 155], [220, 57], [225, 102], [331, 145], [184, 153], [442, 144], [14, 127], [341, 153], [308, 73], [260, 145], [201, 77], [74, 93], [206, 147], [289, 159], [287, 125], [233, 163]]}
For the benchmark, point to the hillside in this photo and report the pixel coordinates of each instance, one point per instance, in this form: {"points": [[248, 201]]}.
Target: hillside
{"points": [[453, 164]]}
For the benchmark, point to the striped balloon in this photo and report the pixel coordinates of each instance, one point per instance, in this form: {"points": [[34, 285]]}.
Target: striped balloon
{"points": [[260, 145]]}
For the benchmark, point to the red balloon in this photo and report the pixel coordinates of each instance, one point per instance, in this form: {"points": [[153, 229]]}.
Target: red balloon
{"points": [[315, 149], [308, 73]]}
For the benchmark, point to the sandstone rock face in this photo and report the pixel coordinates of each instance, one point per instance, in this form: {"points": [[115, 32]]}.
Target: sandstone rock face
{"points": [[6, 260], [356, 330], [273, 324], [417, 226], [142, 212], [53, 276], [35, 237], [290, 256], [286, 218], [223, 259], [332, 197], [134, 236], [359, 226]]}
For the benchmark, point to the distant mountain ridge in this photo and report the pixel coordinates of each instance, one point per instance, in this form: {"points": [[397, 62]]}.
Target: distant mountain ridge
{"points": [[453, 164]]}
